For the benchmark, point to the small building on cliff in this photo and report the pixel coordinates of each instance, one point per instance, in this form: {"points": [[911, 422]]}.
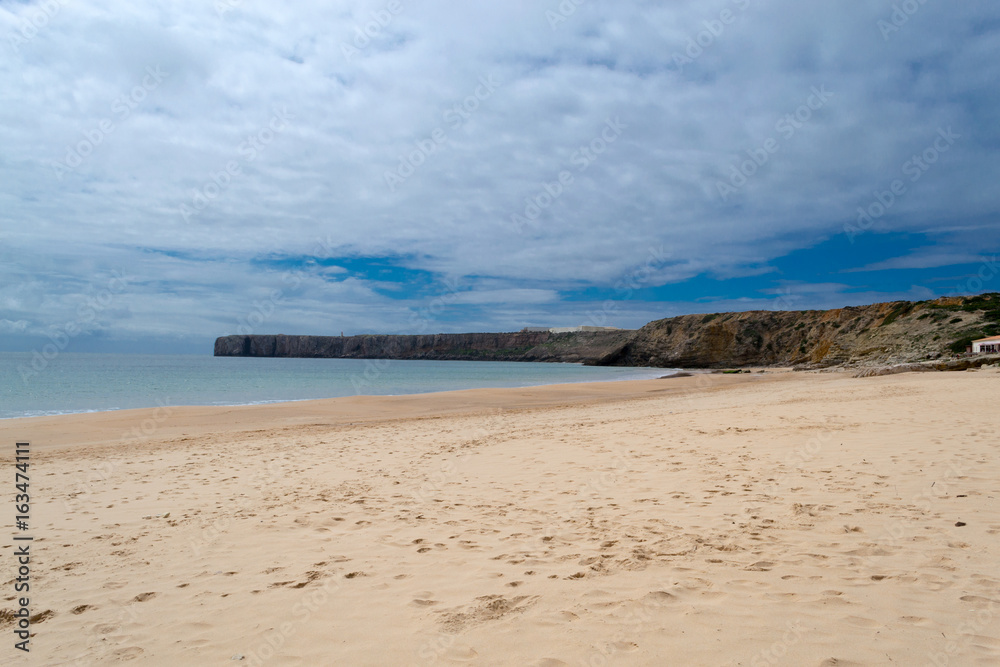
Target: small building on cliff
{"points": [[580, 328], [556, 330], [989, 345]]}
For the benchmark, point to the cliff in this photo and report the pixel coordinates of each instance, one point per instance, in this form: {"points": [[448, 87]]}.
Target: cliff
{"points": [[522, 346], [882, 333], [879, 334]]}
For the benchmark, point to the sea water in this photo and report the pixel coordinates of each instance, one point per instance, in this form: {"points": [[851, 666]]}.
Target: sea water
{"points": [[78, 382]]}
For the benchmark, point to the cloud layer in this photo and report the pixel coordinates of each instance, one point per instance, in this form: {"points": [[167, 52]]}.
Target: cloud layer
{"points": [[374, 166]]}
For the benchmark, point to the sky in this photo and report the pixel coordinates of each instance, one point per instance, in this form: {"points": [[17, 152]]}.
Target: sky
{"points": [[172, 171]]}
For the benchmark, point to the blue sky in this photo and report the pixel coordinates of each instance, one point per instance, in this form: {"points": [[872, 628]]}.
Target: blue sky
{"points": [[176, 171]]}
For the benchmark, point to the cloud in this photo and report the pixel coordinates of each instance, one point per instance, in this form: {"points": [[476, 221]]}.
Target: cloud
{"points": [[922, 260], [9, 327], [188, 141], [520, 296]]}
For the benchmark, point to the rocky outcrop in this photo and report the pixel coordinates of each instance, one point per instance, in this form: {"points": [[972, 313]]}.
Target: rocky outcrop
{"points": [[878, 335], [522, 346], [963, 364]]}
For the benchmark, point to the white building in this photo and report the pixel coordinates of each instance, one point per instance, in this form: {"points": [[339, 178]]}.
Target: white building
{"points": [[582, 327], [986, 345]]}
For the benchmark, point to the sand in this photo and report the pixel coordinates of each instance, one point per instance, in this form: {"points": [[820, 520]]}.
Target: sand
{"points": [[763, 519]]}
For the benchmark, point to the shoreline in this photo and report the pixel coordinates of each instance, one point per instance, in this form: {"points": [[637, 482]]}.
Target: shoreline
{"points": [[118, 425]]}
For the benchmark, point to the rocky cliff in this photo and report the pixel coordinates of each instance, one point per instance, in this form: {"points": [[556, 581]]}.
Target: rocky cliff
{"points": [[882, 333], [523, 346]]}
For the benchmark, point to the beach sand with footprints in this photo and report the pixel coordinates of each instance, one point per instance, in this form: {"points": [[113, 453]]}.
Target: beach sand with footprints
{"points": [[771, 518]]}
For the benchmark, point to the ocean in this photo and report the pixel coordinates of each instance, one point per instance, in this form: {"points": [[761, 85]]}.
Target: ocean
{"points": [[32, 386]]}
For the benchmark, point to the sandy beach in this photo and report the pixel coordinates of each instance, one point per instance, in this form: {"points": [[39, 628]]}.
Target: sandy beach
{"points": [[771, 518]]}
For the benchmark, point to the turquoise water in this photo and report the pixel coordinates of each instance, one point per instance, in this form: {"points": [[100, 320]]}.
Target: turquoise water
{"points": [[32, 386]]}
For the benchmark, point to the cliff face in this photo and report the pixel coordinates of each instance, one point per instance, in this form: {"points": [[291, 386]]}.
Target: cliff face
{"points": [[882, 333], [533, 346]]}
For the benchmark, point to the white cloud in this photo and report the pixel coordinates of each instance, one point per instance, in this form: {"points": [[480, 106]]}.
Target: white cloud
{"points": [[9, 327], [519, 296], [922, 260], [322, 175]]}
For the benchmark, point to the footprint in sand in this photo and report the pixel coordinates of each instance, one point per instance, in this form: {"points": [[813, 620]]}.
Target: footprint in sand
{"points": [[624, 647], [761, 566], [42, 616], [106, 628], [423, 598], [128, 653], [914, 620], [976, 599], [660, 597], [460, 654]]}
